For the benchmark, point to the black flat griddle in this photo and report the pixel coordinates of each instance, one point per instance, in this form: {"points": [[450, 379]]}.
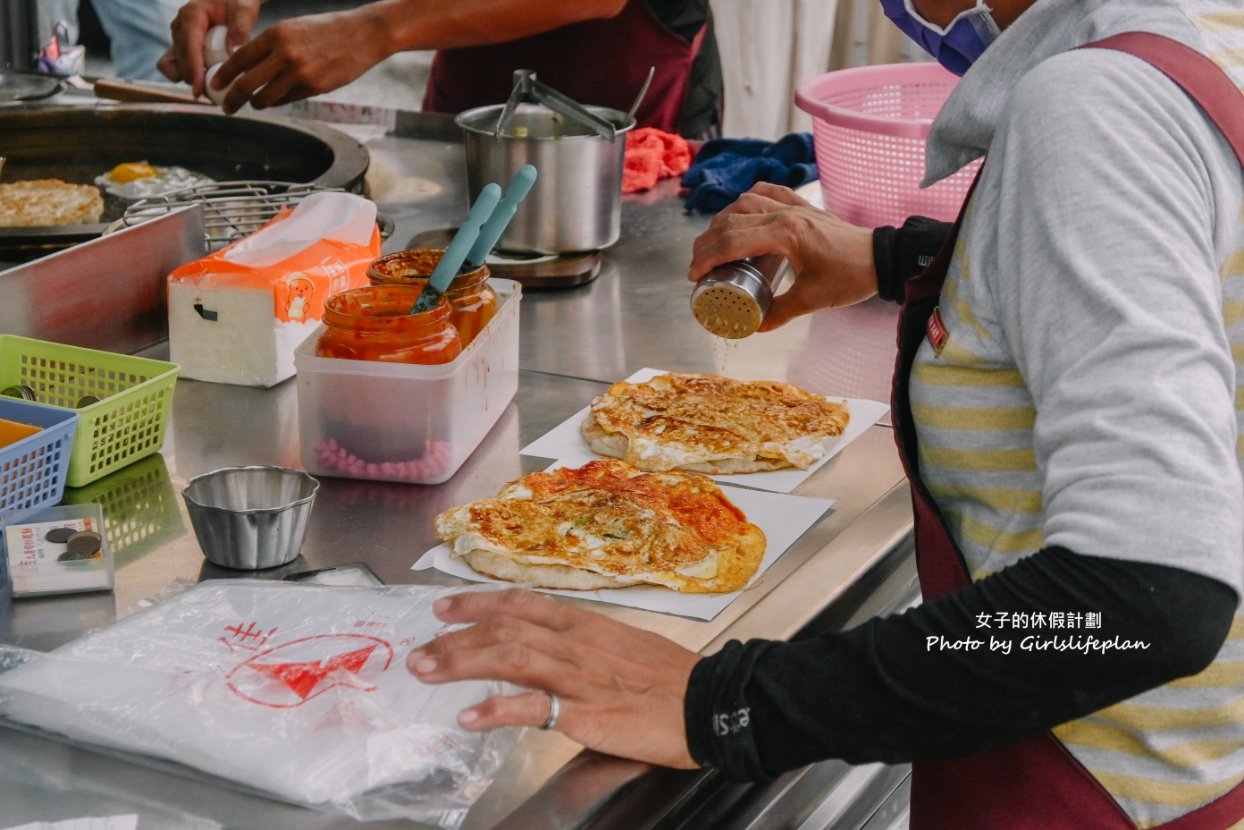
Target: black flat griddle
{"points": [[27, 86], [76, 144]]}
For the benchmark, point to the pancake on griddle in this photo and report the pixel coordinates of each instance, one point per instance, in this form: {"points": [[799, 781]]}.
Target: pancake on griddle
{"points": [[48, 202], [607, 525]]}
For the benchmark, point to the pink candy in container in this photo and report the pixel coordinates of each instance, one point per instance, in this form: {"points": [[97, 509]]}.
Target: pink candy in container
{"points": [[407, 422], [869, 126]]}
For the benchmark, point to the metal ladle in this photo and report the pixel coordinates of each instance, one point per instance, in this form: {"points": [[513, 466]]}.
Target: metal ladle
{"points": [[643, 90], [527, 86]]}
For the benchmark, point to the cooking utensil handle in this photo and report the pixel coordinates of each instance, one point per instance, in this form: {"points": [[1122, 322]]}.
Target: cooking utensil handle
{"points": [[572, 109], [137, 93], [456, 251], [639, 99], [522, 80], [515, 192]]}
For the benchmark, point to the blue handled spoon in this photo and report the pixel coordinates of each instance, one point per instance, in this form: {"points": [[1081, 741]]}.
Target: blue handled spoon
{"points": [[456, 252], [515, 192]]}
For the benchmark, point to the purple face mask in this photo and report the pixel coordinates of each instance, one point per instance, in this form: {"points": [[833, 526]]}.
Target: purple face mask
{"points": [[958, 45]]}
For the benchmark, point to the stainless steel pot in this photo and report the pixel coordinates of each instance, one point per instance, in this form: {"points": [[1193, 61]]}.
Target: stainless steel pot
{"points": [[576, 203]]}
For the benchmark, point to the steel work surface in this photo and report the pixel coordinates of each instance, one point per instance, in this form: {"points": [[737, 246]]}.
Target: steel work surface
{"points": [[573, 343]]}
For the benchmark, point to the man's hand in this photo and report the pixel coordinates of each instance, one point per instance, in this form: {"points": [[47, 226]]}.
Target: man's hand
{"points": [[832, 261], [303, 56], [184, 59], [621, 689]]}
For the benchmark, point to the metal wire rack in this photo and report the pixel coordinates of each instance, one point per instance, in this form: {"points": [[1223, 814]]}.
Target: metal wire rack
{"points": [[231, 210]]}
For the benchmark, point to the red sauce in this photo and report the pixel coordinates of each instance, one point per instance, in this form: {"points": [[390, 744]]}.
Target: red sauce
{"points": [[375, 323], [471, 298], [710, 513]]}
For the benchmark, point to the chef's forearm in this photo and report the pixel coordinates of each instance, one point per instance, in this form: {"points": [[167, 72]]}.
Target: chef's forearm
{"points": [[407, 25], [900, 253], [914, 686]]}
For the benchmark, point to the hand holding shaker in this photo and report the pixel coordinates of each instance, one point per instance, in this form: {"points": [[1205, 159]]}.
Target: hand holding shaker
{"points": [[733, 299]]}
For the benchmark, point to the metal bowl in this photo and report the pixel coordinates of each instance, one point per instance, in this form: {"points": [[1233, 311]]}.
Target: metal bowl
{"points": [[250, 518]]}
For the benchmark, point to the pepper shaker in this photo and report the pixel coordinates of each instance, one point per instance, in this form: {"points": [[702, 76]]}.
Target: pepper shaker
{"points": [[733, 299]]}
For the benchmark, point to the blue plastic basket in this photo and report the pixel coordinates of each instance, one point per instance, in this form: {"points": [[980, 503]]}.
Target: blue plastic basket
{"points": [[33, 470]]}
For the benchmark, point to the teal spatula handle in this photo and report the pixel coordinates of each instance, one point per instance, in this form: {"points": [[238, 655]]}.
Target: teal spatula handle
{"points": [[455, 253], [515, 192]]}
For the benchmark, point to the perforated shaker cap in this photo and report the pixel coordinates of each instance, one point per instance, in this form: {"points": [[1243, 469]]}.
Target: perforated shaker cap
{"points": [[732, 300]]}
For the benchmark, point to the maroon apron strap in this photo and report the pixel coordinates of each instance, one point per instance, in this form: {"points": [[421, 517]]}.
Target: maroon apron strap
{"points": [[1198, 76], [598, 62], [1036, 783]]}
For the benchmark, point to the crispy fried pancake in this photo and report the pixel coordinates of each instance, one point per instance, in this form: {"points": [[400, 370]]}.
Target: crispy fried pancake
{"points": [[712, 424], [607, 525], [48, 202]]}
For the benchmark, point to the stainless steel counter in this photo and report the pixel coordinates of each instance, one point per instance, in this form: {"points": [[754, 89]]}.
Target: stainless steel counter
{"points": [[574, 342]]}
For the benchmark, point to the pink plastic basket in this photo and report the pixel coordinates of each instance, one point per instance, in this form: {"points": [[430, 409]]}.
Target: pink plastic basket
{"points": [[869, 125]]}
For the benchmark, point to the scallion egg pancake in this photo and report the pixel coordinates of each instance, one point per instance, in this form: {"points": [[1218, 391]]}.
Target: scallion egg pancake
{"points": [[608, 525]]}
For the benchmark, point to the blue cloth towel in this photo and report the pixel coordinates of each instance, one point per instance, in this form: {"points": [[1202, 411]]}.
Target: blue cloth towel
{"points": [[725, 168]]}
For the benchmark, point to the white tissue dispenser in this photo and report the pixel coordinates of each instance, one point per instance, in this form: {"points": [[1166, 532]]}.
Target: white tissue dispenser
{"points": [[236, 315]]}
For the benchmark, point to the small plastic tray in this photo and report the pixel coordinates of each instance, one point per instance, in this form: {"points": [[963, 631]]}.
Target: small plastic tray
{"points": [[401, 422], [32, 470], [126, 424]]}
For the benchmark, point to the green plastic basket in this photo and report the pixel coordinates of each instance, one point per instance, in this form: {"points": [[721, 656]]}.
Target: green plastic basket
{"points": [[128, 421]]}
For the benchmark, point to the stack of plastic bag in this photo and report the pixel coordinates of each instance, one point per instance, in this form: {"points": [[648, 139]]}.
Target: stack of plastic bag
{"points": [[297, 692]]}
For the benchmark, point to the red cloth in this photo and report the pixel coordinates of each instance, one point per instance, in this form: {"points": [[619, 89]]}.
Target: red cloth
{"points": [[651, 155]]}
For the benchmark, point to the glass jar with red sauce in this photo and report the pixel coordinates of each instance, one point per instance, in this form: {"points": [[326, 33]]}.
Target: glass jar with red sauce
{"points": [[473, 301], [375, 323]]}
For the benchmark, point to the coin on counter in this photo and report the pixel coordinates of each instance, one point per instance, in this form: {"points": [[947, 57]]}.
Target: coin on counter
{"points": [[87, 400], [82, 545], [59, 535], [19, 391]]}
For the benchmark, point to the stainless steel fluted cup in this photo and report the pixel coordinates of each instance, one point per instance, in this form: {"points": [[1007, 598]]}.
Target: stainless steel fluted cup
{"points": [[250, 518]]}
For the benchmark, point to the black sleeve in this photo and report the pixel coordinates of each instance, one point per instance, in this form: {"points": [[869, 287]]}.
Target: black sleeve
{"points": [[954, 675], [903, 252]]}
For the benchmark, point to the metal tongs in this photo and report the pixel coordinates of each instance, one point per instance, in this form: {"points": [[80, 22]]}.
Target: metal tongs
{"points": [[527, 87]]}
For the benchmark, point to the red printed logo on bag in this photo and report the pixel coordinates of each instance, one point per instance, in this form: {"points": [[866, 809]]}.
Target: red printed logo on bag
{"points": [[295, 672]]}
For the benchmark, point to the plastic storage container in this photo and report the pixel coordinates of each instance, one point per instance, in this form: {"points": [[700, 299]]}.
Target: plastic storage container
{"points": [[33, 469], [869, 126], [128, 421], [403, 422]]}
